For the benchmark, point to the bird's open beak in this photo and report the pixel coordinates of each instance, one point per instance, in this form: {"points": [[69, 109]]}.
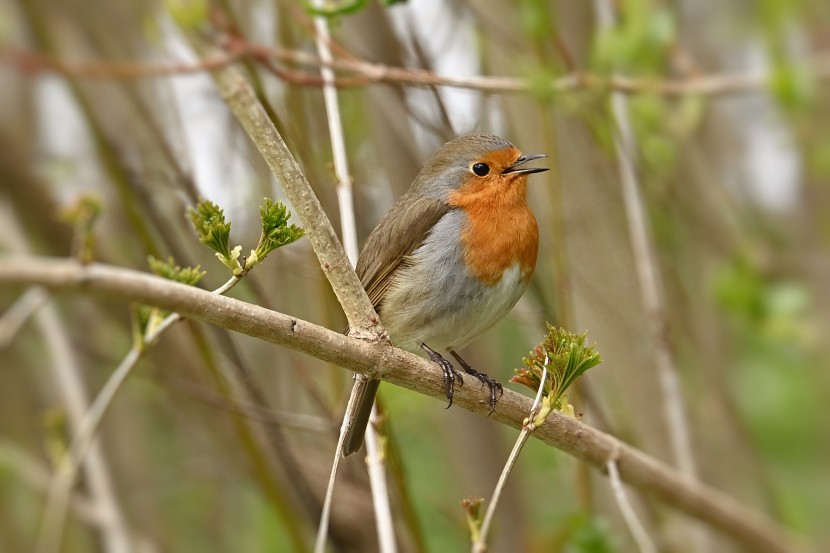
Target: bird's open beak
{"points": [[529, 170]]}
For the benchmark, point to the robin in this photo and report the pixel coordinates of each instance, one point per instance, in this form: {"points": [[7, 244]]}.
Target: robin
{"points": [[451, 258]]}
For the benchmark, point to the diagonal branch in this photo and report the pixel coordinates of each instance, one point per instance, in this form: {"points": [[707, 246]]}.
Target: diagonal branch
{"points": [[363, 321], [756, 531]]}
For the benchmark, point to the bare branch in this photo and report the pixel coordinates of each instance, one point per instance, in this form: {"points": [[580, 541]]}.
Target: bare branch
{"points": [[246, 107], [648, 275], [21, 311], [480, 544], [380, 359], [60, 491], [31, 62], [363, 73], [375, 463], [36, 474], [638, 532]]}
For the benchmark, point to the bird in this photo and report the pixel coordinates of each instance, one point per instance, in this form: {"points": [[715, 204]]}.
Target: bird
{"points": [[450, 259]]}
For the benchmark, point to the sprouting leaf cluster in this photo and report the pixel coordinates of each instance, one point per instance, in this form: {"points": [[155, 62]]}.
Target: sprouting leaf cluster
{"points": [[82, 215], [145, 317], [214, 232], [85, 210], [472, 512], [276, 232], [566, 356], [169, 270], [335, 8]]}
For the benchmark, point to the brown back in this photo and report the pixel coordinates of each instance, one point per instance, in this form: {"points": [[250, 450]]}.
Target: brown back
{"points": [[399, 233]]}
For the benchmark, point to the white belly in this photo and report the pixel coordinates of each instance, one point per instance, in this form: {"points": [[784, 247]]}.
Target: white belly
{"points": [[448, 317], [434, 300]]}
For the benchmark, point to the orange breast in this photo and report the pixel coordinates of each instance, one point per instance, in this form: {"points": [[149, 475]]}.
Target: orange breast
{"points": [[501, 230]]}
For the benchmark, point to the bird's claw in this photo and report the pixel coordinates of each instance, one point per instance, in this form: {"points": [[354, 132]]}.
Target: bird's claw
{"points": [[492, 385], [484, 379], [451, 374]]}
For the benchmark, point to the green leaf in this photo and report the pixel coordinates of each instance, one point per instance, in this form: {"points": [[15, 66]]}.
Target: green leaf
{"points": [[586, 534], [792, 86], [148, 317], [215, 232], [209, 221], [169, 270], [276, 232], [639, 41], [188, 14], [334, 8], [565, 356]]}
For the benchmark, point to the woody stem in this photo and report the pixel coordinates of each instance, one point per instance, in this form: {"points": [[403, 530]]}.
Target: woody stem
{"points": [[718, 510]]}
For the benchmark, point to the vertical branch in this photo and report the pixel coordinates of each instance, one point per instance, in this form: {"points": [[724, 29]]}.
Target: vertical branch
{"points": [[647, 272], [638, 532], [69, 383], [338, 144], [650, 284], [363, 320], [375, 463]]}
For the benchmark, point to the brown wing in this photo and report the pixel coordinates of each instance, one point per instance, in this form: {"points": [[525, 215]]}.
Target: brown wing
{"points": [[399, 233]]}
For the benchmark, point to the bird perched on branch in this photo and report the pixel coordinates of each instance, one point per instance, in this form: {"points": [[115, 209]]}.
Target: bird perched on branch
{"points": [[450, 259]]}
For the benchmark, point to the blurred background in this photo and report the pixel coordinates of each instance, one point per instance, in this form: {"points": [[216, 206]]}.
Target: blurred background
{"points": [[710, 116]]}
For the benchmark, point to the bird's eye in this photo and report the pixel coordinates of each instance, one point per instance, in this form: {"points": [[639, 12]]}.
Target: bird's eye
{"points": [[481, 169]]}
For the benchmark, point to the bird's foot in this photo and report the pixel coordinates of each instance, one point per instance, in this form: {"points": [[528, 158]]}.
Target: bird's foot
{"points": [[493, 385], [451, 374]]}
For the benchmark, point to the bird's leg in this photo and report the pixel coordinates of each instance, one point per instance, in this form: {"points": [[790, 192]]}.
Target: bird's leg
{"points": [[450, 372], [492, 384]]}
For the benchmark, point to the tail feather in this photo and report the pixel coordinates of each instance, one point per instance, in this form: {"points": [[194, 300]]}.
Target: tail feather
{"points": [[363, 397]]}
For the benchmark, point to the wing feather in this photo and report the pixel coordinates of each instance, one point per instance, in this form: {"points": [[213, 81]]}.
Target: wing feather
{"points": [[399, 233]]}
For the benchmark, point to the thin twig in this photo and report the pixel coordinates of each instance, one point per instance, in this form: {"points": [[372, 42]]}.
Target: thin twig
{"points": [[649, 280], [60, 490], [67, 472], [480, 545], [366, 73], [338, 143], [363, 321], [35, 473], [381, 360], [376, 466], [322, 529], [647, 272], [33, 63], [638, 532], [69, 383], [375, 463], [21, 311]]}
